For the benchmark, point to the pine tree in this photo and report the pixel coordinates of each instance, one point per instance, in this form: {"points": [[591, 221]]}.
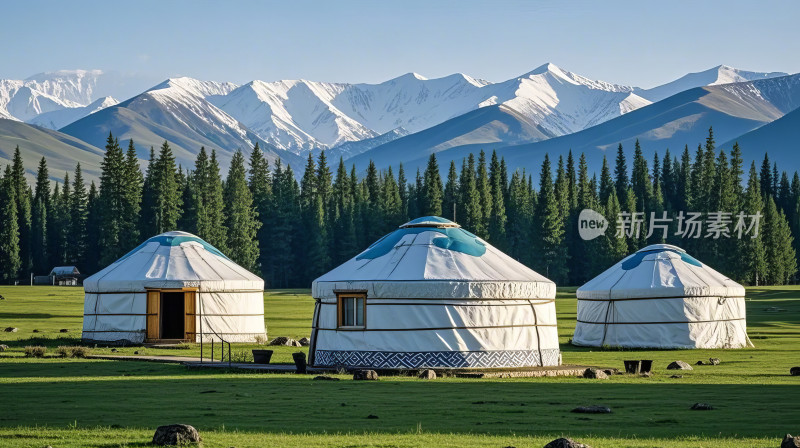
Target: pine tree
{"points": [[111, 201], [10, 261], [260, 184], [520, 214], [212, 226], [402, 183], [485, 194], [131, 199], [641, 184], [22, 196], [54, 230], [780, 255], [766, 177], [285, 213], [344, 231], [432, 199], [580, 270], [62, 221], [41, 204], [78, 215], [607, 186], [471, 212], [241, 217], [390, 202], [162, 214], [451, 189], [750, 247], [548, 231], [92, 229], [737, 171], [684, 193], [621, 175], [498, 218]]}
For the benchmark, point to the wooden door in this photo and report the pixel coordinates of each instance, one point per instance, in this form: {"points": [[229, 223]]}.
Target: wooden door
{"points": [[153, 311], [189, 329]]}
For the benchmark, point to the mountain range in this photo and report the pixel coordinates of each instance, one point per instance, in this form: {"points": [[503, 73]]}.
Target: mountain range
{"points": [[547, 110]]}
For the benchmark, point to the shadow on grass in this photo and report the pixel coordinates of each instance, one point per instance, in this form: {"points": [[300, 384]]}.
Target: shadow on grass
{"points": [[279, 404], [45, 342]]}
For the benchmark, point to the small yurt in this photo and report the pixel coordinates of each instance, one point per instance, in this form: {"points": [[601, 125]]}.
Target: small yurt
{"points": [[430, 294], [661, 297], [174, 286]]}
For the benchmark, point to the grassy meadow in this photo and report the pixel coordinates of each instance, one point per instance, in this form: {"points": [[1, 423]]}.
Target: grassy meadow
{"points": [[96, 403]]}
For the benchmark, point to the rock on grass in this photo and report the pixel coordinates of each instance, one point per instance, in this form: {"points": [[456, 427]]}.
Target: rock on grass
{"points": [[679, 365], [178, 434], [566, 442], [591, 372], [790, 442]]}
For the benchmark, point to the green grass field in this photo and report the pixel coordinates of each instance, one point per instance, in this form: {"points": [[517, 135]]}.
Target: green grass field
{"points": [[79, 403]]}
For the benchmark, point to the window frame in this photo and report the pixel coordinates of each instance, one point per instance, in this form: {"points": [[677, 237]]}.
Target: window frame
{"points": [[340, 296]]}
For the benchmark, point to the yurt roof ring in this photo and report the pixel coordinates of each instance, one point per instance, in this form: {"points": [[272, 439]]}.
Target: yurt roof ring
{"points": [[430, 221]]}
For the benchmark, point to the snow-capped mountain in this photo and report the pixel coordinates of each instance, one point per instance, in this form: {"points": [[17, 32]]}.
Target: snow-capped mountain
{"points": [[45, 93], [22, 102], [721, 74], [177, 111], [302, 115], [59, 118]]}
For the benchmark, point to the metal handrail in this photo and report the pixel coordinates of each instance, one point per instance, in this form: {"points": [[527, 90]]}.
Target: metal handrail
{"points": [[221, 339]]}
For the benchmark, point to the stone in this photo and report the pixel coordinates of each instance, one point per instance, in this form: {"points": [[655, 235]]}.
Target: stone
{"points": [[113, 350], [714, 361], [36, 331], [676, 376], [646, 374], [176, 435], [11, 329], [63, 330], [368, 375], [325, 378], [593, 409], [565, 442], [136, 352], [679, 365], [701, 407], [608, 372], [427, 374], [305, 342], [3, 347], [371, 416], [699, 363], [591, 372], [794, 371], [283, 340], [790, 442]]}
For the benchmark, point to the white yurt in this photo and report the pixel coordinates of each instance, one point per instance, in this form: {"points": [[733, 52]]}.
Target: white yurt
{"points": [[174, 286], [430, 294], [661, 297]]}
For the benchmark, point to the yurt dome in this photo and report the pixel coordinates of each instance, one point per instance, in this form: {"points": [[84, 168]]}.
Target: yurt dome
{"points": [[430, 294], [661, 297], [174, 286]]}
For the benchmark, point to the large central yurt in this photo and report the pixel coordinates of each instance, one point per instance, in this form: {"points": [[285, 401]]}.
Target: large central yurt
{"points": [[661, 297], [174, 286], [430, 294]]}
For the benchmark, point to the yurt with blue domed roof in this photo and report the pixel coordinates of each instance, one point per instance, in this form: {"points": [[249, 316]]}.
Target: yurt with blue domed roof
{"points": [[173, 287], [432, 295], [661, 297]]}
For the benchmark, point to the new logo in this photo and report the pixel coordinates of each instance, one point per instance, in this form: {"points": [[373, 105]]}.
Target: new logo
{"points": [[591, 224]]}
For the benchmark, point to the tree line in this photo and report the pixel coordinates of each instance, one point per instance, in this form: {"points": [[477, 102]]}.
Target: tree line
{"points": [[290, 232]]}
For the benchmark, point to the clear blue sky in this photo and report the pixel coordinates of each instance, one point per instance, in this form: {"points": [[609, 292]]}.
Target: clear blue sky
{"points": [[642, 43]]}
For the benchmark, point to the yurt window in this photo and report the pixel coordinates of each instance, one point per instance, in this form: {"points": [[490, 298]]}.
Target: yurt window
{"points": [[352, 309]]}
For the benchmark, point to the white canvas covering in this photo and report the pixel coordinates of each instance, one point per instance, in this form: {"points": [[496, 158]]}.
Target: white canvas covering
{"points": [[660, 297], [436, 296], [229, 298]]}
